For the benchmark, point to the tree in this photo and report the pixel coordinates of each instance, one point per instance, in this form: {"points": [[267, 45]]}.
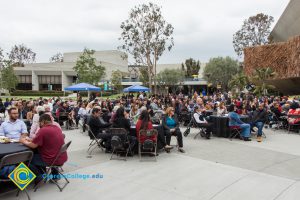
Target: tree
{"points": [[144, 76], [255, 31], [260, 76], [20, 55], [1, 58], [87, 69], [9, 80], [57, 58], [220, 70], [191, 67], [146, 35], [116, 79], [170, 77], [238, 81]]}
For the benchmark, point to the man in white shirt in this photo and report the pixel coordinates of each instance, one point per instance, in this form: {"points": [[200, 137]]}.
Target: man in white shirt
{"points": [[201, 122], [13, 128]]}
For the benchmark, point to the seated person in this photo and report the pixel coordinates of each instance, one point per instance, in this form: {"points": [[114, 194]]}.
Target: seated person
{"points": [[13, 128], [294, 114], [221, 110], [171, 126], [97, 127], [201, 122], [121, 120], [259, 118], [144, 123], [48, 142], [234, 120]]}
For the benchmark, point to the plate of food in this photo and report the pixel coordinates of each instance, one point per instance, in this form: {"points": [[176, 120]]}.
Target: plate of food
{"points": [[4, 139]]}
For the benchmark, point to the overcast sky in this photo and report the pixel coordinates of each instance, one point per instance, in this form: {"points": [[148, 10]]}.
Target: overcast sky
{"points": [[202, 28]]}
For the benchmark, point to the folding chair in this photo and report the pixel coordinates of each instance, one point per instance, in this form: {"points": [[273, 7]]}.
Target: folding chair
{"points": [[291, 126], [15, 159], [64, 117], [201, 129], [149, 144], [234, 131], [95, 142], [46, 174], [119, 143]]}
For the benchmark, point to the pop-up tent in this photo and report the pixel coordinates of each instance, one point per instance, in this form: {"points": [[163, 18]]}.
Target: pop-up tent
{"points": [[83, 87], [136, 88]]}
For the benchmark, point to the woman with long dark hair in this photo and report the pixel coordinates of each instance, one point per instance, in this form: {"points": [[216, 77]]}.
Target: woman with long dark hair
{"points": [[144, 123]]}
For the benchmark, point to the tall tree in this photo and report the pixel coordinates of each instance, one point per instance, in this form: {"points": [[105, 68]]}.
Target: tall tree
{"points": [[116, 79], [1, 58], [254, 31], [146, 35], [260, 76], [191, 67], [170, 77], [57, 58], [87, 68], [20, 55], [8, 80], [144, 76], [220, 70]]}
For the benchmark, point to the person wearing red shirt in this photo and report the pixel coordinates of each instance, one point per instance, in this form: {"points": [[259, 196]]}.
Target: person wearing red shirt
{"points": [[144, 123], [48, 141]]}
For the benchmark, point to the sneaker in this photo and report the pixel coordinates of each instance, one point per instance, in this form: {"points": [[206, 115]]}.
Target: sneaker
{"points": [[181, 150], [247, 139], [169, 147], [259, 139]]}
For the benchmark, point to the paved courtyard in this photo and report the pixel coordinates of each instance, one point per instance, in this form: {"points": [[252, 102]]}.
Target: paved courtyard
{"points": [[210, 169]]}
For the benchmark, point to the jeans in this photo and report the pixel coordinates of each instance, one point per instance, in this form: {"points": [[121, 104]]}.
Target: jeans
{"points": [[260, 126], [245, 130]]}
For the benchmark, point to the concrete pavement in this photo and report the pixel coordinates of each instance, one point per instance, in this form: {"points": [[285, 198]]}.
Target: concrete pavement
{"points": [[210, 169]]}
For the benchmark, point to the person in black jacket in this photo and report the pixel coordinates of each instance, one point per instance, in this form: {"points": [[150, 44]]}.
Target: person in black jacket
{"points": [[97, 127], [259, 118], [122, 120], [171, 126]]}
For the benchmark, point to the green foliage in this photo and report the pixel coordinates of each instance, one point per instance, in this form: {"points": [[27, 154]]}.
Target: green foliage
{"points": [[259, 77], [144, 75], [9, 80], [254, 31], [87, 68], [238, 81], [170, 77], [57, 58], [116, 79], [20, 55], [191, 67], [220, 70], [146, 35], [37, 93]]}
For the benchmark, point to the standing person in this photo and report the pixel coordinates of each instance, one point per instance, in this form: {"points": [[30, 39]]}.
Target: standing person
{"points": [[234, 120], [171, 126]]}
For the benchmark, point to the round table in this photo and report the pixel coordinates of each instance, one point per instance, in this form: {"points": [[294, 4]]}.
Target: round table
{"points": [[9, 148], [220, 124]]}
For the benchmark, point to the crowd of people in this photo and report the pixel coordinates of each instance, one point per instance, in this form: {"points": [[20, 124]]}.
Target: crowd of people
{"points": [[30, 120]]}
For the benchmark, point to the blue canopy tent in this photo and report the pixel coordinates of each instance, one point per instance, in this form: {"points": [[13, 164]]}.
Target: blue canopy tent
{"points": [[136, 88], [83, 87]]}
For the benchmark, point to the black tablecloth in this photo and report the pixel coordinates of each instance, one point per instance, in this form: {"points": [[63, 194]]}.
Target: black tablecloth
{"points": [[159, 129], [220, 125], [10, 148]]}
